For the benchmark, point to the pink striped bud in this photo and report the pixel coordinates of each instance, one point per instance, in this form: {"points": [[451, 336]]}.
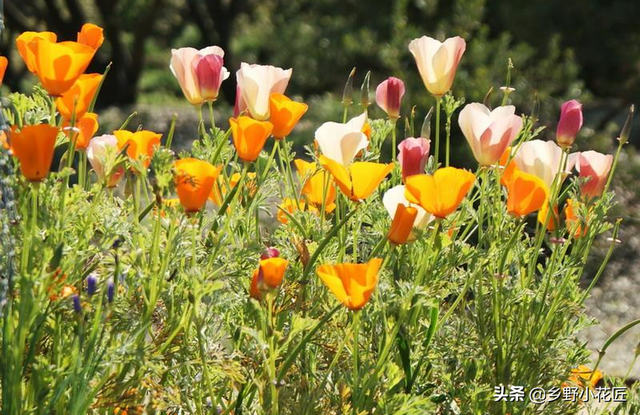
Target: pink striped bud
{"points": [[210, 72], [413, 155], [570, 123], [389, 96]]}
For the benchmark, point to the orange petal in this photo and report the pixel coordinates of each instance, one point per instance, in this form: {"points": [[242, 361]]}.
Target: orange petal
{"points": [[284, 114], [402, 224], [527, 193], [366, 177], [194, 180], [441, 193], [33, 145], [3, 67], [272, 270], [249, 136], [352, 284], [340, 175], [81, 94], [91, 35], [59, 65]]}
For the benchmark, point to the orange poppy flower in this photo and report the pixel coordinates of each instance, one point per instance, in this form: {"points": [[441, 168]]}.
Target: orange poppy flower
{"points": [[33, 145], [360, 180], [59, 65], [285, 114], [249, 136], [574, 222], [87, 126], [583, 376], [402, 224], [314, 185], [82, 93], [441, 193], [527, 193], [25, 53], [91, 35], [194, 180], [141, 143], [352, 284], [268, 275], [3, 67], [290, 206]]}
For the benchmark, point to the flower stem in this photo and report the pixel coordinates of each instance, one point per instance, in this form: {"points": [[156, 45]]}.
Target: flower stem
{"points": [[211, 115], [438, 104], [393, 140], [355, 328]]}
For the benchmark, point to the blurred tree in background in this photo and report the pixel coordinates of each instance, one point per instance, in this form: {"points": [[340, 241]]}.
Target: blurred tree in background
{"points": [[556, 48]]}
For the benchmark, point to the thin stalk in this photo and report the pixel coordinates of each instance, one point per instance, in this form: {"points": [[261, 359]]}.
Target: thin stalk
{"points": [[438, 104], [355, 328], [393, 139], [211, 115], [201, 122]]}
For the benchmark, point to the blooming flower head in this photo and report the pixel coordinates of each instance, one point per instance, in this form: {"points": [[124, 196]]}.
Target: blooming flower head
{"points": [[256, 84], [526, 193], [358, 181], [352, 284], [437, 61], [441, 193], [488, 132], [268, 275], [413, 154], [199, 72], [33, 145], [342, 142], [316, 186], [58, 65], [285, 114], [570, 123], [81, 94], [249, 136], [194, 180], [594, 167], [100, 152], [542, 159], [86, 128], [389, 96], [141, 144]]}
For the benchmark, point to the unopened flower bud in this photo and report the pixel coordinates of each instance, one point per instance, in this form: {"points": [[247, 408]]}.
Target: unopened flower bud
{"points": [[270, 252], [92, 284], [111, 291], [77, 306], [570, 123]]}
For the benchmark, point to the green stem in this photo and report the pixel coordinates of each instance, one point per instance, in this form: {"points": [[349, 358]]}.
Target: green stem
{"points": [[201, 122], [438, 103], [211, 115], [355, 328], [604, 263], [393, 140]]}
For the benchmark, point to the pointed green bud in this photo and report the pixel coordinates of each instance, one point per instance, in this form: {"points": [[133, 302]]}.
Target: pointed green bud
{"points": [[347, 95]]}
